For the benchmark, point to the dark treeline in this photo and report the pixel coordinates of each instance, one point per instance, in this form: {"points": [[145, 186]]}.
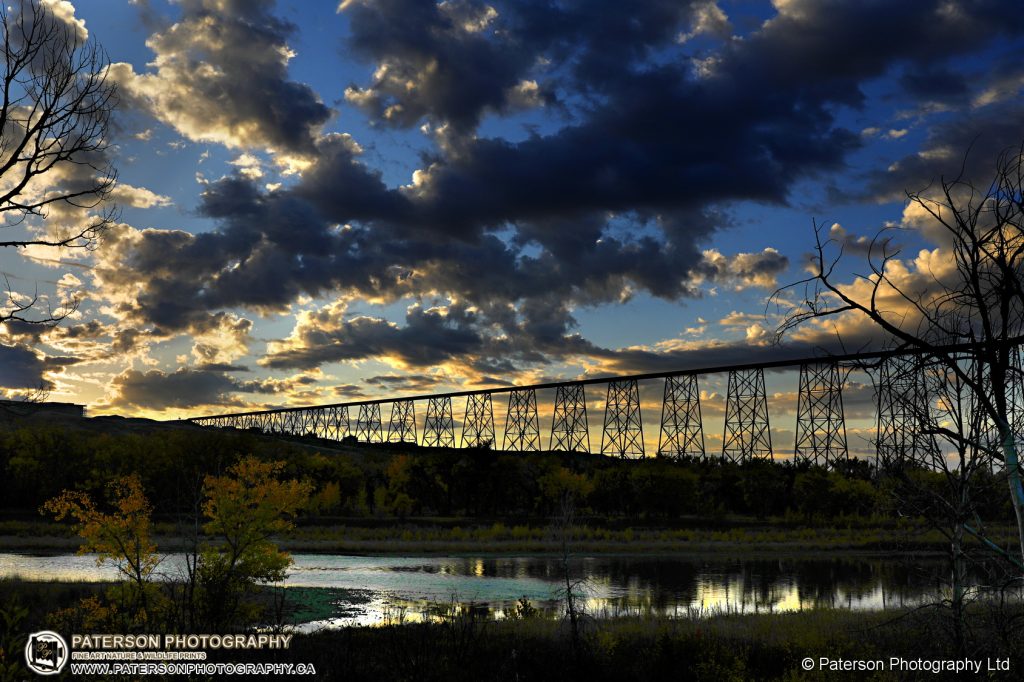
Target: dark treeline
{"points": [[38, 461]]}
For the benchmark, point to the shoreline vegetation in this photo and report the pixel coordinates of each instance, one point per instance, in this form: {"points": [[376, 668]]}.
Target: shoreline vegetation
{"points": [[393, 498], [422, 537]]}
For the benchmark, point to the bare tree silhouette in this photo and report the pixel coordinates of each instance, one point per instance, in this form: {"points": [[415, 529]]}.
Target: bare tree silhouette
{"points": [[978, 302], [54, 120]]}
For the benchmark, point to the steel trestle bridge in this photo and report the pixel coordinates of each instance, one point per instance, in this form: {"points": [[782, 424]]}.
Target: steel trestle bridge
{"points": [[820, 422]]}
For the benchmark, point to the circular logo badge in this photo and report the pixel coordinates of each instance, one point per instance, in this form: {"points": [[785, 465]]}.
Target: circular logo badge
{"points": [[46, 652]]}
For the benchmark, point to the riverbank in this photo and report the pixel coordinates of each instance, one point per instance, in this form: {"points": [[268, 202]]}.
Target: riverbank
{"points": [[719, 647], [424, 538]]}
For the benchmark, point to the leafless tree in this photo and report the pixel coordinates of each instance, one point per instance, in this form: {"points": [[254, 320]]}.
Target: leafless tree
{"points": [[943, 472], [55, 172], [964, 321]]}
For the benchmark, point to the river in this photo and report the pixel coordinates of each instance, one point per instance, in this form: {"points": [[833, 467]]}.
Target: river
{"points": [[370, 590]]}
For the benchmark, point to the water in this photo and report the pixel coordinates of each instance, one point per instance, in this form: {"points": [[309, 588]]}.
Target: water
{"points": [[372, 590]]}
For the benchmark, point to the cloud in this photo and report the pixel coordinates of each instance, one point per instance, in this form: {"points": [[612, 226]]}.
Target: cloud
{"points": [[742, 270], [496, 241], [220, 74], [22, 368], [616, 200], [429, 337], [64, 12], [220, 338], [437, 60], [403, 382], [181, 389], [137, 197], [858, 245], [708, 18], [189, 390]]}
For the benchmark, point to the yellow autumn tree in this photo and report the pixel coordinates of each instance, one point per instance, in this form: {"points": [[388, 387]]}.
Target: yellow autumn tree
{"points": [[122, 536], [245, 509]]}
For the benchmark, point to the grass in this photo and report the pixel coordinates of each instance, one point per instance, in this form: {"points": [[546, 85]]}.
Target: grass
{"points": [[426, 536], [716, 647]]}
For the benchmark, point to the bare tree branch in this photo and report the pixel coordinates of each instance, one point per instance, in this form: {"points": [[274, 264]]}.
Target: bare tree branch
{"points": [[54, 121], [978, 302]]}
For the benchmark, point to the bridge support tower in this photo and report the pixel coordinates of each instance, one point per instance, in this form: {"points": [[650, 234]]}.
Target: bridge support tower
{"points": [[569, 430], [402, 425], [439, 426], [478, 426], [623, 433], [820, 427], [902, 401], [522, 426], [682, 434], [747, 429], [368, 426]]}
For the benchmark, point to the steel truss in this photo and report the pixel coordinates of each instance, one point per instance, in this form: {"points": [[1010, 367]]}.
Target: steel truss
{"points": [[820, 426], [902, 402], [338, 425], [318, 422], [478, 426], [682, 434], [439, 426], [569, 430], [747, 429], [522, 426], [402, 425], [368, 426], [329, 423], [981, 422], [623, 432]]}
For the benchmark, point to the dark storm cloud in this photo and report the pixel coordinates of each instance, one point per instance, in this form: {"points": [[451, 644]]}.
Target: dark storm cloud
{"points": [[183, 388], [428, 338], [969, 143], [661, 138], [632, 361], [21, 367], [405, 382], [457, 70], [340, 186], [620, 198], [935, 83], [222, 75], [221, 367], [347, 391]]}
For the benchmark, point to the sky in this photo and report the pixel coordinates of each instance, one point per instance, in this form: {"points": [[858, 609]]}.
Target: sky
{"points": [[321, 202]]}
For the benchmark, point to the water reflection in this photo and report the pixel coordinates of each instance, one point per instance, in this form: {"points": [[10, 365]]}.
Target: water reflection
{"points": [[392, 589]]}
